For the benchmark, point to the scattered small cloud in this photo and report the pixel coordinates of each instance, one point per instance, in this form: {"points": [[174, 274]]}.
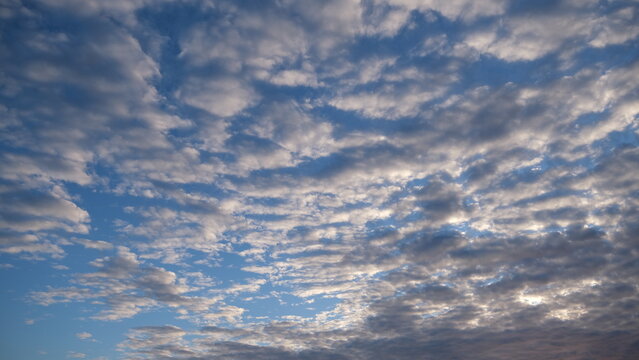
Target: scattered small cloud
{"points": [[84, 335], [75, 355]]}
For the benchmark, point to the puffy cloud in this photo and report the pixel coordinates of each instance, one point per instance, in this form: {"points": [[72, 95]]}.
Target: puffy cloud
{"points": [[127, 287], [533, 33], [220, 97], [327, 180], [458, 9], [37, 210], [295, 78]]}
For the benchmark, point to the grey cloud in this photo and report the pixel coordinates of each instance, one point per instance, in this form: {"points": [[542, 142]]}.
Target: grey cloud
{"points": [[439, 200], [67, 114], [554, 342], [120, 266], [479, 171], [26, 212], [618, 172], [433, 244], [29, 205], [17, 167], [435, 293], [348, 165], [521, 344], [487, 219], [231, 332], [34, 249]]}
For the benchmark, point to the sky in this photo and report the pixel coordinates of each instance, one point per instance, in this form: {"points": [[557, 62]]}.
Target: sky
{"points": [[337, 179]]}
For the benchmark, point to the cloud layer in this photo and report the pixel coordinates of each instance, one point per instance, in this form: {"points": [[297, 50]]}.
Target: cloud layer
{"points": [[325, 180]]}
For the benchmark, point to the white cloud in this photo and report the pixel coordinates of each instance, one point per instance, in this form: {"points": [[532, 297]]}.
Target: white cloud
{"points": [[94, 244], [529, 37], [388, 104], [294, 78], [83, 335], [75, 355], [221, 97], [466, 10], [128, 287]]}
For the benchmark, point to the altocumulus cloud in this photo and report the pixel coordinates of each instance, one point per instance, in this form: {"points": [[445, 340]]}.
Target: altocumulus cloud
{"points": [[383, 179]]}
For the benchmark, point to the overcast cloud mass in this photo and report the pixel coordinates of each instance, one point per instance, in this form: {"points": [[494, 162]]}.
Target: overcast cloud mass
{"points": [[301, 179]]}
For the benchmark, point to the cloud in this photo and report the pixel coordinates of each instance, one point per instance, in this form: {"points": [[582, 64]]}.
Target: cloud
{"points": [[456, 10], [75, 355], [128, 288], [83, 335], [294, 78], [220, 97], [399, 92], [527, 35], [324, 180], [94, 244], [25, 243], [38, 210], [441, 343]]}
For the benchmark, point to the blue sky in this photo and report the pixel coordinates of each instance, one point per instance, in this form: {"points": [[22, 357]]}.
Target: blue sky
{"points": [[203, 179]]}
